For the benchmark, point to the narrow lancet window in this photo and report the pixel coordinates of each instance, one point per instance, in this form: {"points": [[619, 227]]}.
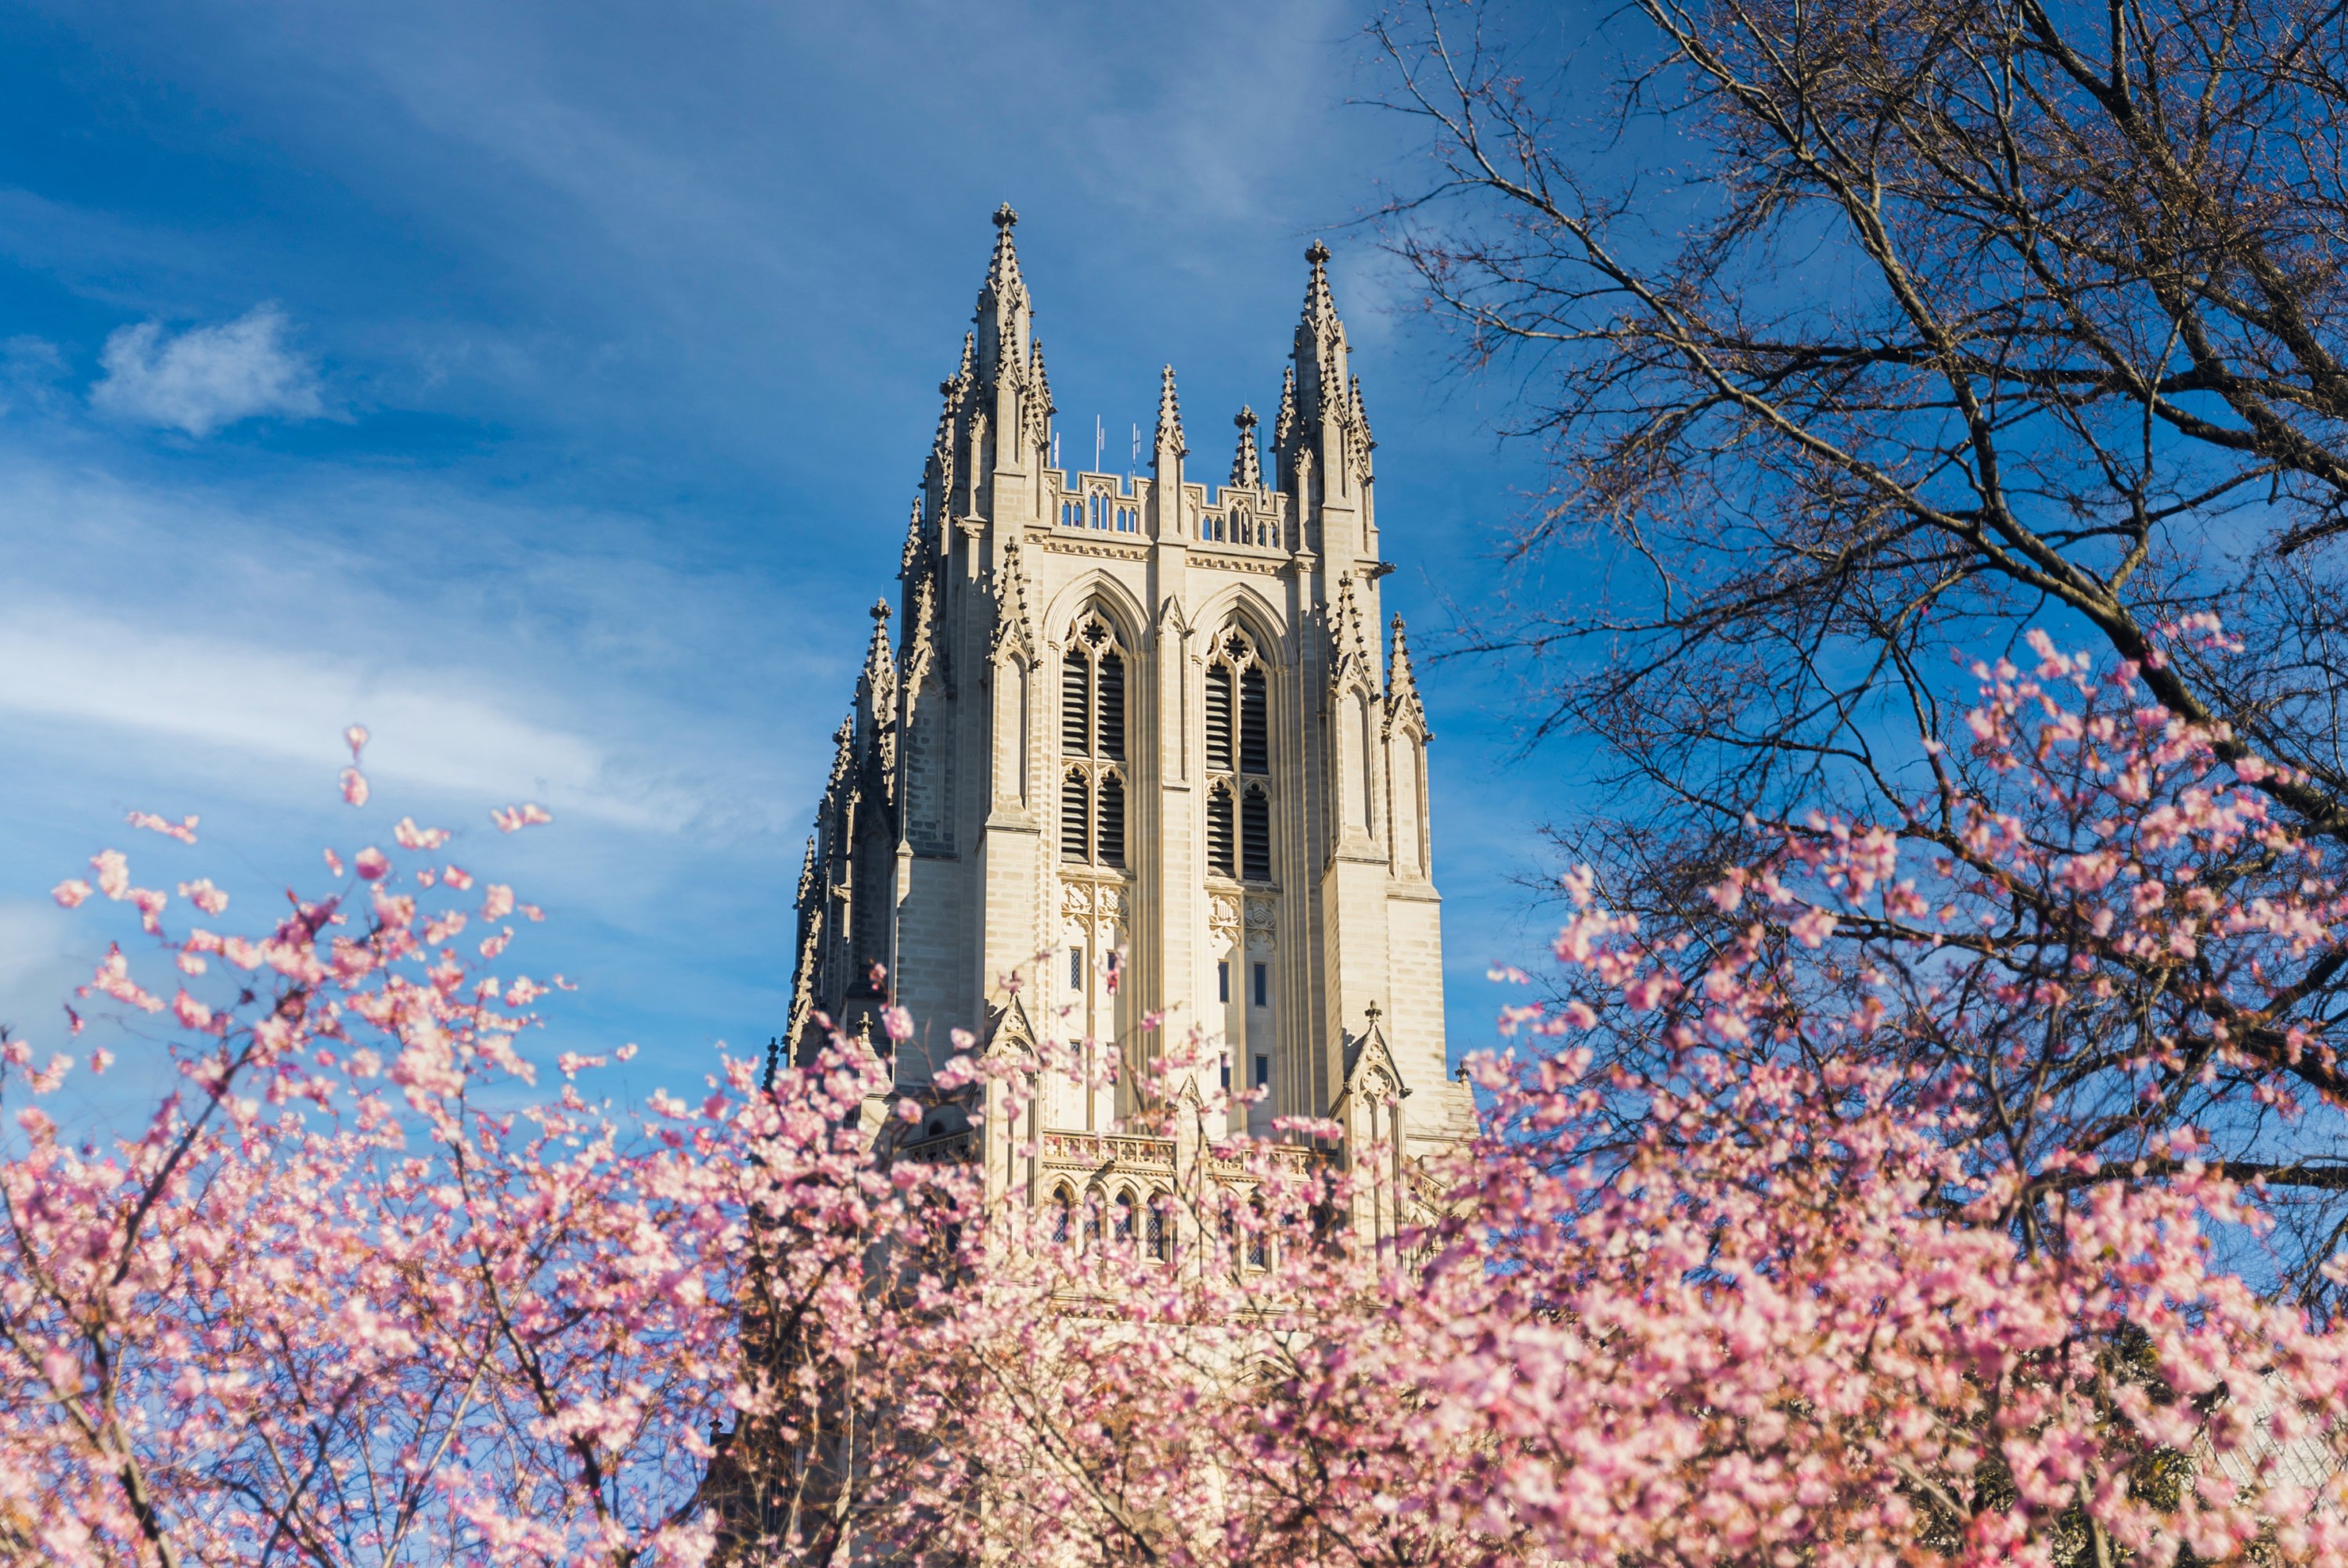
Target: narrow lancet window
{"points": [[1112, 706], [1218, 718], [1219, 832], [1075, 841], [1255, 835], [1256, 742], [1075, 705], [1110, 849]]}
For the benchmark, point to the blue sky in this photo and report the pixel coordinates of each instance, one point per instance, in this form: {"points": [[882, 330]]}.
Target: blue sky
{"points": [[543, 385]]}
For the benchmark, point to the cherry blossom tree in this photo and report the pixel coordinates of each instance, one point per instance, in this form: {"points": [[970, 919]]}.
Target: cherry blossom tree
{"points": [[1784, 1240], [1740, 1272], [364, 1291]]}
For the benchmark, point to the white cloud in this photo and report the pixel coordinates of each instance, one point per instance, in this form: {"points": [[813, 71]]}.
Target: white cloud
{"points": [[65, 664], [207, 377]]}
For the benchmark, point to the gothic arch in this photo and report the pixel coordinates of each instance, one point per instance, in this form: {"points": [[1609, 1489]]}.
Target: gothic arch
{"points": [[1239, 603], [1117, 603]]}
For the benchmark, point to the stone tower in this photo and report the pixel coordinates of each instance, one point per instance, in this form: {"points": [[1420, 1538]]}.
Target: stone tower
{"points": [[1138, 744]]}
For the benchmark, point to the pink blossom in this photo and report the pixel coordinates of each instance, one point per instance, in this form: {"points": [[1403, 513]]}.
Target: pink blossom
{"points": [[513, 818], [184, 830]]}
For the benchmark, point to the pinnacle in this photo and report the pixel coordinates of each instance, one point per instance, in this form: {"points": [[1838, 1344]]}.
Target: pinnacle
{"points": [[1247, 465], [880, 610], [1003, 268], [1169, 416], [1320, 309]]}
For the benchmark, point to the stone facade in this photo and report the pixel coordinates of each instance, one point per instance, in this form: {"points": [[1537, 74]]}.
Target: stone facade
{"points": [[1139, 730]]}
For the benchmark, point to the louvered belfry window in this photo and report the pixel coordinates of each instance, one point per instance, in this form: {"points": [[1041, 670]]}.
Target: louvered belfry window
{"points": [[1092, 740], [1238, 761], [1219, 719], [1219, 831], [1255, 835], [1255, 740]]}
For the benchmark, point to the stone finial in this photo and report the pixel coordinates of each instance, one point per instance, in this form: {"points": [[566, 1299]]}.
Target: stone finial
{"points": [[1373, 1012], [1247, 464], [1004, 217], [880, 610], [1169, 416]]}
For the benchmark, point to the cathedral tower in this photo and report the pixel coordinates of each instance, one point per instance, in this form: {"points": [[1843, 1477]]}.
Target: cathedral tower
{"points": [[1140, 743]]}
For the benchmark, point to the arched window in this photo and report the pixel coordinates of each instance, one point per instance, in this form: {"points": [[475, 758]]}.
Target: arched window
{"points": [[1093, 1218], [1160, 1235], [1219, 831], [1121, 1219], [1258, 1236], [1063, 1215], [1092, 737], [1255, 835]]}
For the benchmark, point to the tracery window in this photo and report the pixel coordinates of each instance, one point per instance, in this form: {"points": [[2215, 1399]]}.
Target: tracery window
{"points": [[1238, 762], [1092, 739], [1161, 1231]]}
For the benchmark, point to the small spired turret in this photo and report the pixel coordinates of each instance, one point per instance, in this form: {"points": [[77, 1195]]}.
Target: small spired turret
{"points": [[1136, 752], [1247, 465]]}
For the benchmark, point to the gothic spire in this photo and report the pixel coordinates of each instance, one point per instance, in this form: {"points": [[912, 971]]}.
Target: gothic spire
{"points": [[1002, 280], [1247, 465], [1349, 646], [1402, 684], [1169, 417], [1004, 310], [915, 556], [1035, 408], [1320, 308], [1285, 424], [1319, 346], [877, 688], [1012, 625]]}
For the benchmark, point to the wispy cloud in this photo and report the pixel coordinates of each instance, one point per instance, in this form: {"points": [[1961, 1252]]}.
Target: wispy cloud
{"points": [[207, 377]]}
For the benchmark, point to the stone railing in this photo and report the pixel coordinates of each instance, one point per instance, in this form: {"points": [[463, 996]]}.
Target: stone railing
{"points": [[949, 1146], [1093, 1150]]}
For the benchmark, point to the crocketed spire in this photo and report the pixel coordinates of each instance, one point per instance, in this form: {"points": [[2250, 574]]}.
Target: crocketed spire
{"points": [[1320, 358], [879, 680], [1169, 416], [1247, 464], [1285, 424], [914, 558], [1320, 309], [1035, 407], [1403, 705], [1003, 283]]}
